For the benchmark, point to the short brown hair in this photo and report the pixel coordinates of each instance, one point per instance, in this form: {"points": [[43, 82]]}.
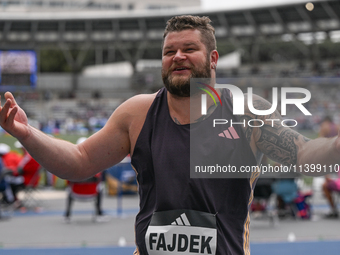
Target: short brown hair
{"points": [[180, 23]]}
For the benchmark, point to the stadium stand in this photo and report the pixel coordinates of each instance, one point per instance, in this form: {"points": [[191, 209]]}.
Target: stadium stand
{"points": [[112, 36]]}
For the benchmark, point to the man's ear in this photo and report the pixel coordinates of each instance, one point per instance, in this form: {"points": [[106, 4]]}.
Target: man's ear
{"points": [[213, 59]]}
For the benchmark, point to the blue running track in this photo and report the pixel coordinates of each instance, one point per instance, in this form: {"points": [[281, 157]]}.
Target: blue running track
{"points": [[284, 248]]}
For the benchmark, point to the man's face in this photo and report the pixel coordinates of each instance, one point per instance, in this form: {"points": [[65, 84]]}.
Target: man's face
{"points": [[184, 57]]}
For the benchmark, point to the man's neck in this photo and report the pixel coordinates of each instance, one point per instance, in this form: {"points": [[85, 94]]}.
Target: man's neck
{"points": [[179, 109], [186, 110]]}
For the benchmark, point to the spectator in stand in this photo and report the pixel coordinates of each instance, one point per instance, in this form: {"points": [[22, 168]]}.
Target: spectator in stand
{"points": [[26, 172], [329, 129], [89, 188], [331, 185], [27, 167], [11, 160], [5, 188]]}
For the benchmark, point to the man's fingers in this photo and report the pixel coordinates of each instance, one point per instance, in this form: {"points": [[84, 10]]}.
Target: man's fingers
{"points": [[11, 116], [4, 111], [0, 103], [8, 95], [7, 104]]}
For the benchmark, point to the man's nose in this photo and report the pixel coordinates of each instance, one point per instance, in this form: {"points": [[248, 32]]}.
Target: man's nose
{"points": [[179, 56]]}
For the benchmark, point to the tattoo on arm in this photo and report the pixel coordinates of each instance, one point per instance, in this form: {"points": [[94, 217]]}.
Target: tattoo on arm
{"points": [[279, 143]]}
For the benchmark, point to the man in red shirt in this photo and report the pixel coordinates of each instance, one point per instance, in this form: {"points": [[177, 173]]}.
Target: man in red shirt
{"points": [[11, 161], [28, 167], [25, 170], [5, 188]]}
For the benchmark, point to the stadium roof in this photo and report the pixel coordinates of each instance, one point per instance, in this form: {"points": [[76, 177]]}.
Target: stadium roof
{"points": [[143, 30]]}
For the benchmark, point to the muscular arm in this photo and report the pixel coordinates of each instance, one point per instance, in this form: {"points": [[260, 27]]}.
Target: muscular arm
{"points": [[76, 162], [284, 145]]}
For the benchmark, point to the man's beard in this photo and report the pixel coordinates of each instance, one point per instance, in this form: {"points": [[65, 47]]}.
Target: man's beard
{"points": [[180, 86]]}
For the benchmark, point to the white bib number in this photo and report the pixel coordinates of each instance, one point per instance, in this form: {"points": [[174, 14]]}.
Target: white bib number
{"points": [[184, 232]]}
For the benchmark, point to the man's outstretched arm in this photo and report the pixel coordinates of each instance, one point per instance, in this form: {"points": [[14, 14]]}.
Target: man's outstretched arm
{"points": [[286, 146], [66, 160]]}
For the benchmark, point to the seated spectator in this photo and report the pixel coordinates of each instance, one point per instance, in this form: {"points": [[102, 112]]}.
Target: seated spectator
{"points": [[286, 191], [27, 167], [26, 172], [90, 188], [329, 129], [329, 187], [291, 200], [5, 189], [11, 161]]}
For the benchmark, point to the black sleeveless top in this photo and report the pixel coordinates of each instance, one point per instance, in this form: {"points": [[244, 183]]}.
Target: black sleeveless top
{"points": [[161, 160]]}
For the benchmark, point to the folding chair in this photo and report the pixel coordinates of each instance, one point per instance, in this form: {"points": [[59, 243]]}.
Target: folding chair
{"points": [[89, 190], [263, 205], [5, 207], [30, 190], [292, 200]]}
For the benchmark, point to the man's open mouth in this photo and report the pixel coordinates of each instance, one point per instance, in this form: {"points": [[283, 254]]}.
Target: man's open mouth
{"points": [[181, 68]]}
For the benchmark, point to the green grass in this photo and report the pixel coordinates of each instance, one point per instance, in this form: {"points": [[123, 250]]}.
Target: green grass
{"points": [[10, 140], [7, 139]]}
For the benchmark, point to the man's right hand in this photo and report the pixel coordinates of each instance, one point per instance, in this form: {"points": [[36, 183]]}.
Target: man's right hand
{"points": [[13, 119]]}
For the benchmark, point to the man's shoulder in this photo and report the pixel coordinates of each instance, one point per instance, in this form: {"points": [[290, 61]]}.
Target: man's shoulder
{"points": [[134, 110], [140, 102], [143, 98], [131, 115]]}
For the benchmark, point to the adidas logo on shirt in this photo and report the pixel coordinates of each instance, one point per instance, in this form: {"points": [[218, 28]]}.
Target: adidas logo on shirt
{"points": [[229, 133], [181, 220]]}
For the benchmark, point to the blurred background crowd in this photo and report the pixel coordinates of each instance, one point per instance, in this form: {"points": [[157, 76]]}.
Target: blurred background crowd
{"points": [[70, 64]]}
